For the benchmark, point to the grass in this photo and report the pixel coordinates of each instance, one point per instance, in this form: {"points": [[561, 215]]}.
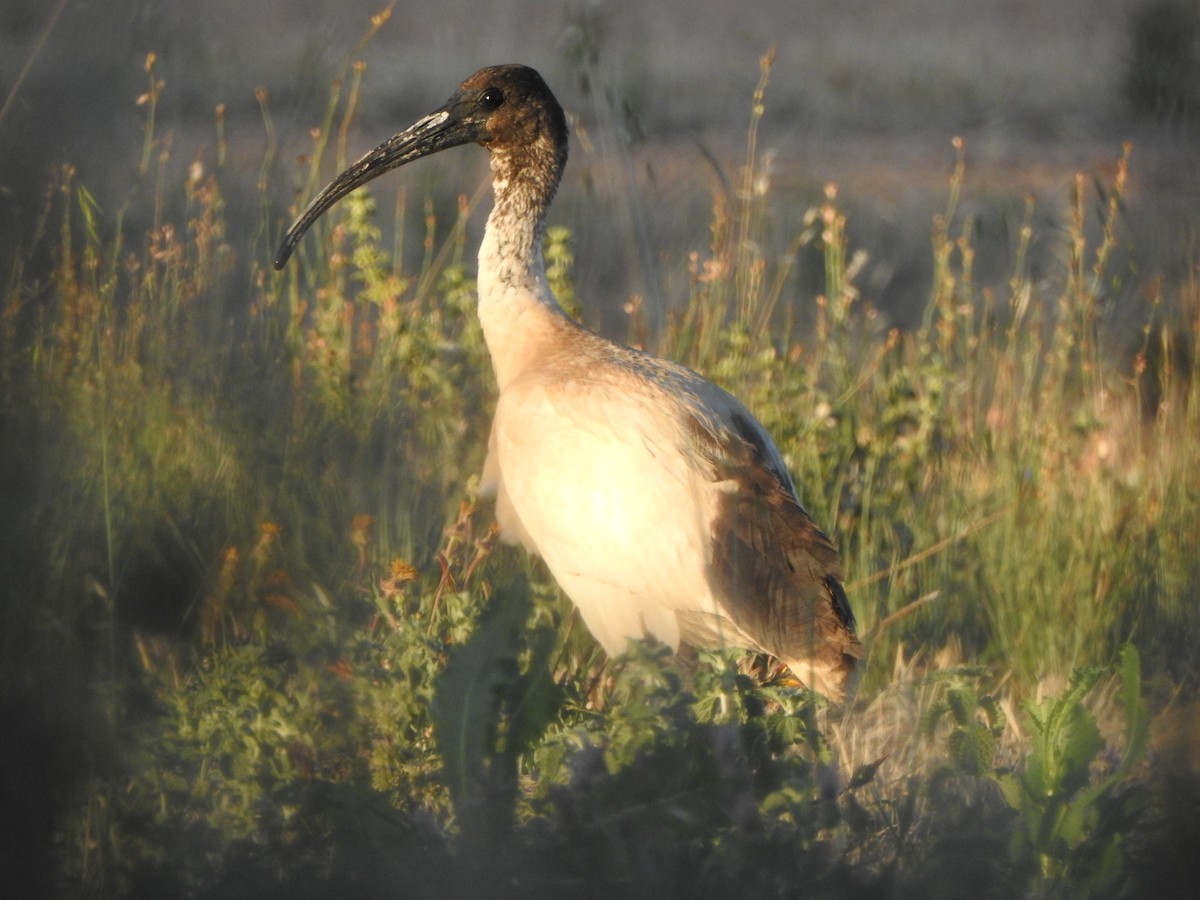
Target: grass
{"points": [[259, 638]]}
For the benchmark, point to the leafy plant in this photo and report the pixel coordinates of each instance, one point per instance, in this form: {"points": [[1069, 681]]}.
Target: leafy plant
{"points": [[1071, 819], [491, 703], [977, 721]]}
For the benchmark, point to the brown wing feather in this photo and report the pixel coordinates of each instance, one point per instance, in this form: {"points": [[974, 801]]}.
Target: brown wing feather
{"points": [[777, 572]]}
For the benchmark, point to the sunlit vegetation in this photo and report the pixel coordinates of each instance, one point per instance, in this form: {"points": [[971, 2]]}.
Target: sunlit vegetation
{"points": [[259, 638]]}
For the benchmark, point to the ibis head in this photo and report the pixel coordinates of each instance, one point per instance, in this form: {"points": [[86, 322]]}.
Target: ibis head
{"points": [[507, 109]]}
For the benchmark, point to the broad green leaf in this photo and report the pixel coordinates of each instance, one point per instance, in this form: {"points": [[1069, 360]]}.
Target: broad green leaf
{"points": [[963, 703], [1078, 743], [1137, 717], [1011, 789], [468, 695], [973, 749], [932, 716], [537, 699]]}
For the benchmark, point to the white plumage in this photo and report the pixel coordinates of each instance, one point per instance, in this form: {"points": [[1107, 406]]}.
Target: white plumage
{"points": [[660, 505]]}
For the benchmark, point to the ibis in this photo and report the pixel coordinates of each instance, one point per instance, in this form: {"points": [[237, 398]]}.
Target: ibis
{"points": [[660, 505]]}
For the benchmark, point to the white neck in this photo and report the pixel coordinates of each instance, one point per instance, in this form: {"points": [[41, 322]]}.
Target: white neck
{"points": [[516, 306]]}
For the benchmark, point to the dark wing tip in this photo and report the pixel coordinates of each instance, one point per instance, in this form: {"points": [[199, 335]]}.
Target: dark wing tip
{"points": [[840, 603]]}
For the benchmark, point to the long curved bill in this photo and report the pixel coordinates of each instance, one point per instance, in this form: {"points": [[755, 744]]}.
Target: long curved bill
{"points": [[450, 126]]}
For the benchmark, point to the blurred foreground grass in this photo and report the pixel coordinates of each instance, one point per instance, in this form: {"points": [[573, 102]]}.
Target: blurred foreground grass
{"points": [[258, 639]]}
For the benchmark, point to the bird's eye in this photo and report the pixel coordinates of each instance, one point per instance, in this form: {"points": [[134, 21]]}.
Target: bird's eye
{"points": [[491, 98]]}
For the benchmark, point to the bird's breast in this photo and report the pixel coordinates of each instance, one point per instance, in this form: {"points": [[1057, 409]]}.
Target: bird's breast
{"points": [[598, 481]]}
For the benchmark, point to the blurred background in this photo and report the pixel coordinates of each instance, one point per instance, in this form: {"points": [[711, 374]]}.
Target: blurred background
{"points": [[863, 94]]}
